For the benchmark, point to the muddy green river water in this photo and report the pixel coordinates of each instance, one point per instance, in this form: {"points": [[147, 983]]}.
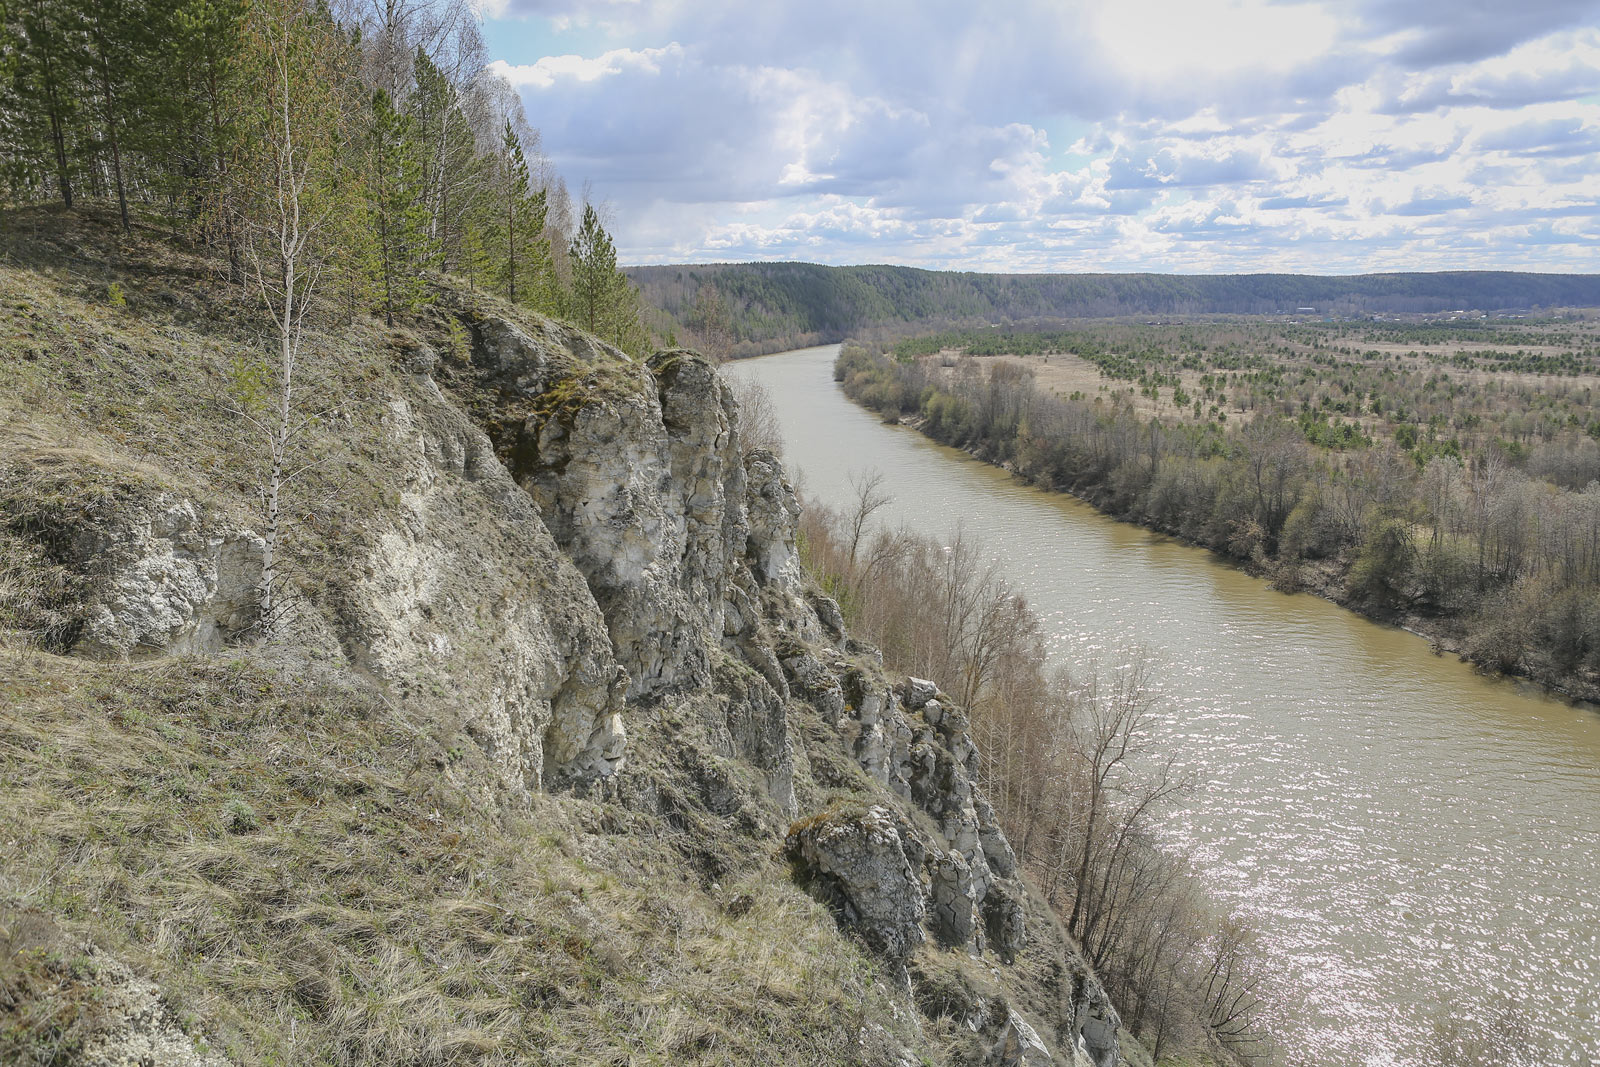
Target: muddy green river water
{"points": [[1413, 839]]}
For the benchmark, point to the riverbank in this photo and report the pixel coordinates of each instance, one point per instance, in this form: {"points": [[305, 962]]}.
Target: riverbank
{"points": [[1490, 574], [1330, 580]]}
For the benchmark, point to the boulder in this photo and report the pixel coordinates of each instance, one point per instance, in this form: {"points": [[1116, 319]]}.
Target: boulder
{"points": [[918, 691], [1096, 1023], [156, 571]]}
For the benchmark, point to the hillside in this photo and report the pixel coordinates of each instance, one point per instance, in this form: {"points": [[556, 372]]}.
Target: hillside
{"points": [[553, 753], [772, 306]]}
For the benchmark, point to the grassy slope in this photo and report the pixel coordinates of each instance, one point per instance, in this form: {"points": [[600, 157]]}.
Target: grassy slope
{"points": [[309, 871], [312, 872]]}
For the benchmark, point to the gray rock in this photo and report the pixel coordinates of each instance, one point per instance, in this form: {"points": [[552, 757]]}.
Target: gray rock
{"points": [[139, 1028], [466, 592], [953, 899], [165, 577], [918, 691], [1019, 1045], [1096, 1023], [1003, 922], [858, 860]]}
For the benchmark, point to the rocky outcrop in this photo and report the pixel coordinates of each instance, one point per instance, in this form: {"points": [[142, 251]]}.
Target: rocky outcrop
{"points": [[571, 545], [638, 480], [1019, 1045], [1096, 1023], [858, 860], [157, 572], [924, 755]]}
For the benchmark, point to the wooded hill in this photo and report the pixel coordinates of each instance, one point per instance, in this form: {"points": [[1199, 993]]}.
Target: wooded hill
{"points": [[375, 137], [766, 307]]}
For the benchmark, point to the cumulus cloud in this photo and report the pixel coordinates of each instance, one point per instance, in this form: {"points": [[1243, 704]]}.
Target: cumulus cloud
{"points": [[1148, 135]]}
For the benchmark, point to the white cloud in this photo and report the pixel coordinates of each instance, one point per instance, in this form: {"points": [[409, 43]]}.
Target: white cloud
{"points": [[549, 70], [1206, 134]]}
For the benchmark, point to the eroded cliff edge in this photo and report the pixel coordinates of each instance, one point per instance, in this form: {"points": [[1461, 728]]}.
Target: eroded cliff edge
{"points": [[569, 559]]}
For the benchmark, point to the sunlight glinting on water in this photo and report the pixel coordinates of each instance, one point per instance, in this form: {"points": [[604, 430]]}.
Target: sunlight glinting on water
{"points": [[1412, 839]]}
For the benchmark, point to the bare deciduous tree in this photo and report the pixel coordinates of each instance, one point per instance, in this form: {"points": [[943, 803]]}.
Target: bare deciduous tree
{"points": [[758, 417], [868, 499]]}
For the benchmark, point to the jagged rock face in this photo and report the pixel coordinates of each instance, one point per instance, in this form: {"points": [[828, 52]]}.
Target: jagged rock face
{"points": [[926, 757], [172, 584], [604, 483], [860, 858], [467, 591], [774, 513], [637, 472], [753, 726], [685, 543], [707, 477], [1003, 922]]}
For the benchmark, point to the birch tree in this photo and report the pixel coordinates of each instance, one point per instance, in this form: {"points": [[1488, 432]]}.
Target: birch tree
{"points": [[297, 118]]}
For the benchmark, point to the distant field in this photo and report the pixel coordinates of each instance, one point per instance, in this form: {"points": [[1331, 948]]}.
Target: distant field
{"points": [[1434, 388]]}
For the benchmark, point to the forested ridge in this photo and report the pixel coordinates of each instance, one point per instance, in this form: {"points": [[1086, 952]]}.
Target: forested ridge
{"points": [[752, 308], [376, 130]]}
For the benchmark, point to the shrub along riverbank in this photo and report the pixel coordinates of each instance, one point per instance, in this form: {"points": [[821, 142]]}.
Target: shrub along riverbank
{"points": [[1476, 554]]}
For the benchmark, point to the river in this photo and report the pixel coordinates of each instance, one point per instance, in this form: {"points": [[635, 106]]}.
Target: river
{"points": [[1412, 839]]}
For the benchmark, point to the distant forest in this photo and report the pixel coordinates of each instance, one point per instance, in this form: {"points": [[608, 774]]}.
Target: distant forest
{"points": [[746, 309]]}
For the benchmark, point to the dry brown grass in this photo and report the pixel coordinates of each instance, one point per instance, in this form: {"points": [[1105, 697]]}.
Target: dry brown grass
{"points": [[311, 873]]}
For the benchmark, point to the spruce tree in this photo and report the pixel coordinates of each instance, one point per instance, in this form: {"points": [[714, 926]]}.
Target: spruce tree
{"points": [[594, 272], [527, 272], [513, 192]]}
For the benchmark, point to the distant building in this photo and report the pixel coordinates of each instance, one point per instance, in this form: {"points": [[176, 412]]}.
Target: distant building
{"points": [[1306, 311]]}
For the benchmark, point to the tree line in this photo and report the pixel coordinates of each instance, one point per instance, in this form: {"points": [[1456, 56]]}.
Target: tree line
{"points": [[777, 305], [419, 158], [1479, 548]]}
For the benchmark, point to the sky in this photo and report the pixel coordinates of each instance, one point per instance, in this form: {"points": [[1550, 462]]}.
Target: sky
{"points": [[1206, 136]]}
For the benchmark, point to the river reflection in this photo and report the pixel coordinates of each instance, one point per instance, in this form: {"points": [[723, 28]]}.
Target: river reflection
{"points": [[1413, 839]]}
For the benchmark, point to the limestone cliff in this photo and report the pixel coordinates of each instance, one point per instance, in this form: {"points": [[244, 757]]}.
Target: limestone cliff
{"points": [[571, 554]]}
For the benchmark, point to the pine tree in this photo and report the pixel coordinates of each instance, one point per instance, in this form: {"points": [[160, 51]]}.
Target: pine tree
{"points": [[207, 43], [119, 48], [601, 299], [527, 272], [594, 272]]}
